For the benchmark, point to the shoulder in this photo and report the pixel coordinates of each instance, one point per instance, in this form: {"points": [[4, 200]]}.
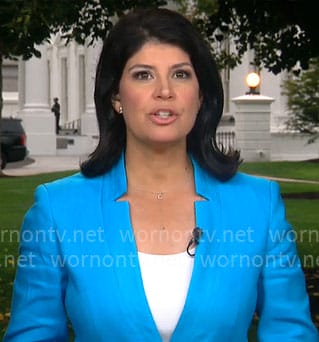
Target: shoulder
{"points": [[245, 185], [240, 185], [246, 180], [74, 188], [80, 188], [75, 182], [251, 195], [242, 191]]}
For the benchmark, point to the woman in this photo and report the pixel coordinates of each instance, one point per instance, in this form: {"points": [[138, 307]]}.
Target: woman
{"points": [[158, 238]]}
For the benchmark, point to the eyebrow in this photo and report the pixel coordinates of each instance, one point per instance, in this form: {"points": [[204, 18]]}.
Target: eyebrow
{"points": [[146, 66]]}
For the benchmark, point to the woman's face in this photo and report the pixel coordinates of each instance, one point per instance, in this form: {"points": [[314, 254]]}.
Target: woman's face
{"points": [[159, 94]]}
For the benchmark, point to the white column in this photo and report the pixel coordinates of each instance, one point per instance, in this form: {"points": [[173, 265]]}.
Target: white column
{"points": [[88, 119], [252, 125], [21, 84], [73, 77], [38, 120], [55, 75]]}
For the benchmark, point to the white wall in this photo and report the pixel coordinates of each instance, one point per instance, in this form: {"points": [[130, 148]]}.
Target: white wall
{"points": [[270, 86], [293, 146], [80, 105], [10, 104]]}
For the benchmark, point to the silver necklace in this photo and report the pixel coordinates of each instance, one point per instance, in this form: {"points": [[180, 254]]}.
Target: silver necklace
{"points": [[159, 195]]}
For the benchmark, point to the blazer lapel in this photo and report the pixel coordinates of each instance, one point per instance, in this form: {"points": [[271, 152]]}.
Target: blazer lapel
{"points": [[204, 285], [208, 219], [123, 251]]}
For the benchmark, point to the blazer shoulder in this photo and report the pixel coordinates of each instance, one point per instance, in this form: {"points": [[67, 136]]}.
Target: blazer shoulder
{"points": [[246, 185], [72, 186], [240, 185], [74, 180], [251, 180]]}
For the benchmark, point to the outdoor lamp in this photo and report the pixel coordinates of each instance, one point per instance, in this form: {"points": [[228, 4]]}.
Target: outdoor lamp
{"points": [[253, 81]]}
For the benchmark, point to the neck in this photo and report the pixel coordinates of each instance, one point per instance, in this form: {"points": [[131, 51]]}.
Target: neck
{"points": [[158, 170]]}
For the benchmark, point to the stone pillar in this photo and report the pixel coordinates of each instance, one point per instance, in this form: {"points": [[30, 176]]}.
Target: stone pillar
{"points": [[88, 119], [252, 125], [38, 120], [21, 85]]}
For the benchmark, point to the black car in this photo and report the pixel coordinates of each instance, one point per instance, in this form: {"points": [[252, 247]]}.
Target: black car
{"points": [[13, 141]]}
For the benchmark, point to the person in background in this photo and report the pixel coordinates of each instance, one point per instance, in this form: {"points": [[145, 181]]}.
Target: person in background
{"points": [[159, 237], [56, 110]]}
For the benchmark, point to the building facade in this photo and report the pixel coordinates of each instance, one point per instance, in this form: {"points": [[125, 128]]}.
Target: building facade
{"points": [[68, 72]]}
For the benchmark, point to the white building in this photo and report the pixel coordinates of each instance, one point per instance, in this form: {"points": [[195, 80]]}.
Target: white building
{"points": [[67, 72]]}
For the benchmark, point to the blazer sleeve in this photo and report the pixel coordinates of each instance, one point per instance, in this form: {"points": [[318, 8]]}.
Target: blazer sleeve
{"points": [[37, 312], [283, 303]]}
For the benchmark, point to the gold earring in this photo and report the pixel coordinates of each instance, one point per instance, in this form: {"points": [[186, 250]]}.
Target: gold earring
{"points": [[121, 110]]}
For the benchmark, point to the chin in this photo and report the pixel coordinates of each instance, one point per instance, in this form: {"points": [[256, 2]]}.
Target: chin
{"points": [[167, 142]]}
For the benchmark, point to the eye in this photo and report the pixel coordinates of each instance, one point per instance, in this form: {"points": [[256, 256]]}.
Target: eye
{"points": [[182, 74], [142, 75]]}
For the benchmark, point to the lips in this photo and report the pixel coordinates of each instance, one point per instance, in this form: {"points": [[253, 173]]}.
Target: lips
{"points": [[163, 116]]}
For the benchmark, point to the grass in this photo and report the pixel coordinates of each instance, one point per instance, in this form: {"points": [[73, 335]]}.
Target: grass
{"points": [[302, 214], [296, 170], [16, 196], [288, 187]]}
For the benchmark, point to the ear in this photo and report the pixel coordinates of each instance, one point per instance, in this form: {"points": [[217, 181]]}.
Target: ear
{"points": [[116, 103]]}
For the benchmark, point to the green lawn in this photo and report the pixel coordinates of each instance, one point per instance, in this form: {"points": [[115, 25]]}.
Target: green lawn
{"points": [[297, 170], [16, 196], [302, 214], [288, 187]]}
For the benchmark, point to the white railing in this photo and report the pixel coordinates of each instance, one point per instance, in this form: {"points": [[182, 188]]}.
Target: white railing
{"points": [[73, 126], [226, 140]]}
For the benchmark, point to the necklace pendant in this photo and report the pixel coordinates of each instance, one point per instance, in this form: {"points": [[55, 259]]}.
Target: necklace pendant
{"points": [[160, 195]]}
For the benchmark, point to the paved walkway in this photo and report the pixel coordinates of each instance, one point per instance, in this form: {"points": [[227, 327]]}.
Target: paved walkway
{"points": [[42, 164], [289, 180], [45, 164]]}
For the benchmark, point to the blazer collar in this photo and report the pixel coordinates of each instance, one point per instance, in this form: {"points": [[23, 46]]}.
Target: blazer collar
{"points": [[116, 181], [116, 219]]}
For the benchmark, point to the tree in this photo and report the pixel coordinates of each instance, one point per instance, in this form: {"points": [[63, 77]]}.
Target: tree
{"points": [[302, 92], [282, 33], [24, 24]]}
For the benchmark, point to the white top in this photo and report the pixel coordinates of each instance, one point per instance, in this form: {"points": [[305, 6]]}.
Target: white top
{"points": [[166, 280]]}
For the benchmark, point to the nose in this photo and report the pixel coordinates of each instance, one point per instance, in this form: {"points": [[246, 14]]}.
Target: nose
{"points": [[164, 89]]}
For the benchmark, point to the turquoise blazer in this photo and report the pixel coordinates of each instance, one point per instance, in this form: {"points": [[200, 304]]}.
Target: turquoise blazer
{"points": [[78, 263]]}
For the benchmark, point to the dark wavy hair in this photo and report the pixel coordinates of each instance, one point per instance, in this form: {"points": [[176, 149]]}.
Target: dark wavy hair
{"points": [[127, 36]]}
